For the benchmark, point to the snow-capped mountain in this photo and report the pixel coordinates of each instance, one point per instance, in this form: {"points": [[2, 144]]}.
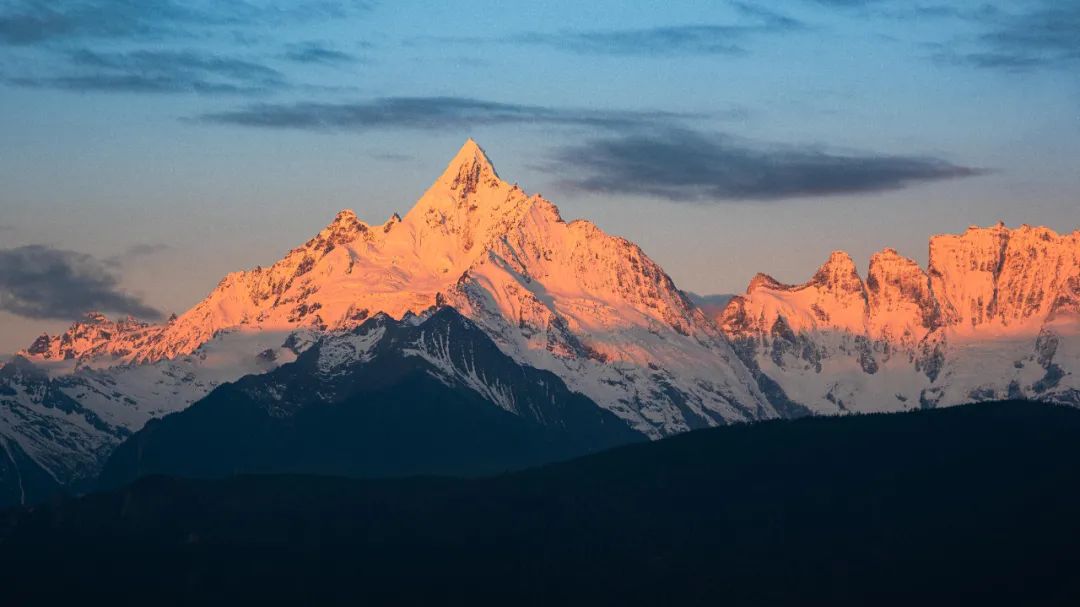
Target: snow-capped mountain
{"points": [[994, 316], [562, 297]]}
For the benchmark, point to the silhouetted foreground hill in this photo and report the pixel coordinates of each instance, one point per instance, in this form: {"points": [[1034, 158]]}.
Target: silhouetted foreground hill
{"points": [[435, 397], [967, 505]]}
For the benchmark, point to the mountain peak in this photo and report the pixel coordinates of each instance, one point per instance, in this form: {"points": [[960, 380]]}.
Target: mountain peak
{"points": [[761, 280], [469, 168], [838, 264], [345, 216], [838, 273], [840, 259], [464, 210], [344, 228]]}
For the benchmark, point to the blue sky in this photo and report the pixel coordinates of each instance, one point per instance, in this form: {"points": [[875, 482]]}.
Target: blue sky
{"points": [[151, 146]]}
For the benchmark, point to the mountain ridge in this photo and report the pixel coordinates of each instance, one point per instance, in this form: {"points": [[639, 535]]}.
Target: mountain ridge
{"points": [[992, 305], [509, 260], [995, 315]]}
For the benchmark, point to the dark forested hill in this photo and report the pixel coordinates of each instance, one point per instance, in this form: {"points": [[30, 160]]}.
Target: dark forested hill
{"points": [[969, 505], [391, 398]]}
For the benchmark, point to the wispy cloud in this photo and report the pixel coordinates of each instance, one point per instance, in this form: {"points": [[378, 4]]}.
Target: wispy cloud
{"points": [[162, 46], [317, 53], [1046, 35], [30, 22], [688, 166], [850, 3], [660, 41], [37, 281], [159, 72], [900, 8], [134, 253], [27, 22], [656, 41], [1015, 36], [424, 113]]}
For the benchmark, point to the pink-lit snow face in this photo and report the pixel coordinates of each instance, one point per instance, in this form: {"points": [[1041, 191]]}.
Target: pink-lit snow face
{"points": [[994, 314], [597, 311], [469, 226], [560, 296]]}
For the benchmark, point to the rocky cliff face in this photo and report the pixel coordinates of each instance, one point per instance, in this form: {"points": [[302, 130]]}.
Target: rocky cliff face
{"points": [[95, 337], [595, 310], [986, 320], [902, 308], [1003, 278]]}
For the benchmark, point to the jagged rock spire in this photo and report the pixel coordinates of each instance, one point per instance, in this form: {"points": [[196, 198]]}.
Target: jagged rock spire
{"points": [[838, 272], [469, 167]]}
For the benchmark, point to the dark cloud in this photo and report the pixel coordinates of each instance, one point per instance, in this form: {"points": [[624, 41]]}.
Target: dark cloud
{"points": [[29, 22], [159, 72], [1014, 36], [173, 39], [26, 22], [765, 18], [656, 41], [913, 10], [424, 113], [901, 9], [1047, 35], [850, 3], [42, 282], [317, 53], [698, 39], [687, 166]]}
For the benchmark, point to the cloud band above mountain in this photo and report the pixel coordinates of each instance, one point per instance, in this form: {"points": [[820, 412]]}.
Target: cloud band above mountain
{"points": [[159, 72], [659, 41], [689, 166], [423, 113]]}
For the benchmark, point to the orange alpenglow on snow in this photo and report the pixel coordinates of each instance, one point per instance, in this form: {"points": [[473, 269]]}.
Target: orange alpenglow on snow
{"points": [[996, 315], [560, 296], [988, 319]]}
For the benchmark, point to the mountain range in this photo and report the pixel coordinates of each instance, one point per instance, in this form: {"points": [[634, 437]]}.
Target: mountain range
{"points": [[482, 332]]}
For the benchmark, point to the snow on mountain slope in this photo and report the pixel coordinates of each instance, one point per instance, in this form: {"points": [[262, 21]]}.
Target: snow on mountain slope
{"points": [[337, 279], [64, 417], [564, 297], [995, 316], [595, 310]]}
